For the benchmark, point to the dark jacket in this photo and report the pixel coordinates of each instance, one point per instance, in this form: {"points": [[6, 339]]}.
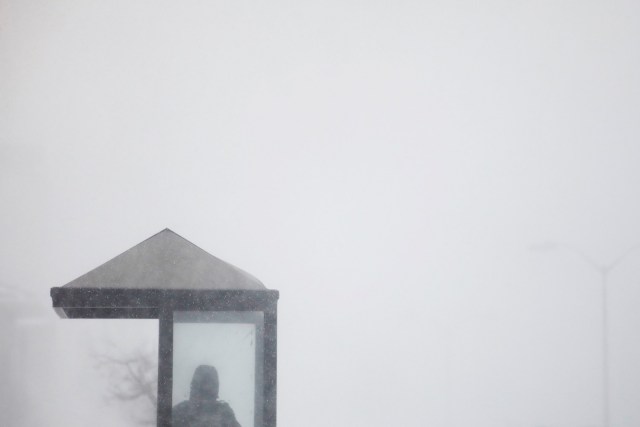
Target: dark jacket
{"points": [[215, 413]]}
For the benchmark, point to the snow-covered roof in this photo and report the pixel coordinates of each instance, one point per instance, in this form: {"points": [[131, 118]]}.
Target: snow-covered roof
{"points": [[166, 261]]}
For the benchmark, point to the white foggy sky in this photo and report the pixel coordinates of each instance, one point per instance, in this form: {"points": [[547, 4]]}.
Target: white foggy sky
{"points": [[385, 165]]}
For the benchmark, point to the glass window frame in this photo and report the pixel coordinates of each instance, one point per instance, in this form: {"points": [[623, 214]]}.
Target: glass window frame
{"points": [[237, 301]]}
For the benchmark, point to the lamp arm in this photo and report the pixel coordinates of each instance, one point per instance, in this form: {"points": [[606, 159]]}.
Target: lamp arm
{"points": [[616, 262], [586, 258]]}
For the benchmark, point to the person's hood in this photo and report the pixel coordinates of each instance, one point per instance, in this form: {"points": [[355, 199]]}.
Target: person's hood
{"points": [[205, 383]]}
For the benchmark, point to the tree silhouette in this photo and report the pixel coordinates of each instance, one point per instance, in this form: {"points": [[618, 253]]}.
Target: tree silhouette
{"points": [[133, 379]]}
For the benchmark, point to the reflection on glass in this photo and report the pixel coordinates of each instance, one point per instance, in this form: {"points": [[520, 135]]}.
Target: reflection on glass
{"points": [[217, 369]]}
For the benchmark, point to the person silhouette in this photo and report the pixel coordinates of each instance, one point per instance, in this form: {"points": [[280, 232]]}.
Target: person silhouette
{"points": [[203, 409]]}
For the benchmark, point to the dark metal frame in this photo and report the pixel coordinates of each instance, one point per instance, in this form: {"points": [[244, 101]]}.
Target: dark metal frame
{"points": [[105, 303]]}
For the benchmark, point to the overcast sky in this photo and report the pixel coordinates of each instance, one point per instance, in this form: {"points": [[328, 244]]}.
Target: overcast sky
{"points": [[384, 165]]}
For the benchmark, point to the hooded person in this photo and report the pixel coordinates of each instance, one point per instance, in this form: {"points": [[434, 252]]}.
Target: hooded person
{"points": [[203, 409]]}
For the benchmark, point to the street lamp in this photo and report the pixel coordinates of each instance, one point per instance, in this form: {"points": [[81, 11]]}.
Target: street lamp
{"points": [[603, 270], [217, 327]]}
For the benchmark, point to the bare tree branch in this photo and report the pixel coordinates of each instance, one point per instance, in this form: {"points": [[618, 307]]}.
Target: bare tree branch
{"points": [[132, 379]]}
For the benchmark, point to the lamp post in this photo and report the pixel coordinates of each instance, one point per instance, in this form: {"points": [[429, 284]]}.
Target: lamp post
{"points": [[603, 270], [217, 327]]}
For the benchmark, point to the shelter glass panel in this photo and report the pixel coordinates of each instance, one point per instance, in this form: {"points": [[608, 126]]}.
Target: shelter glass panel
{"points": [[218, 368]]}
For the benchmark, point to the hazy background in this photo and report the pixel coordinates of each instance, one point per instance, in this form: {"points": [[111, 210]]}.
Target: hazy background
{"points": [[385, 165]]}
